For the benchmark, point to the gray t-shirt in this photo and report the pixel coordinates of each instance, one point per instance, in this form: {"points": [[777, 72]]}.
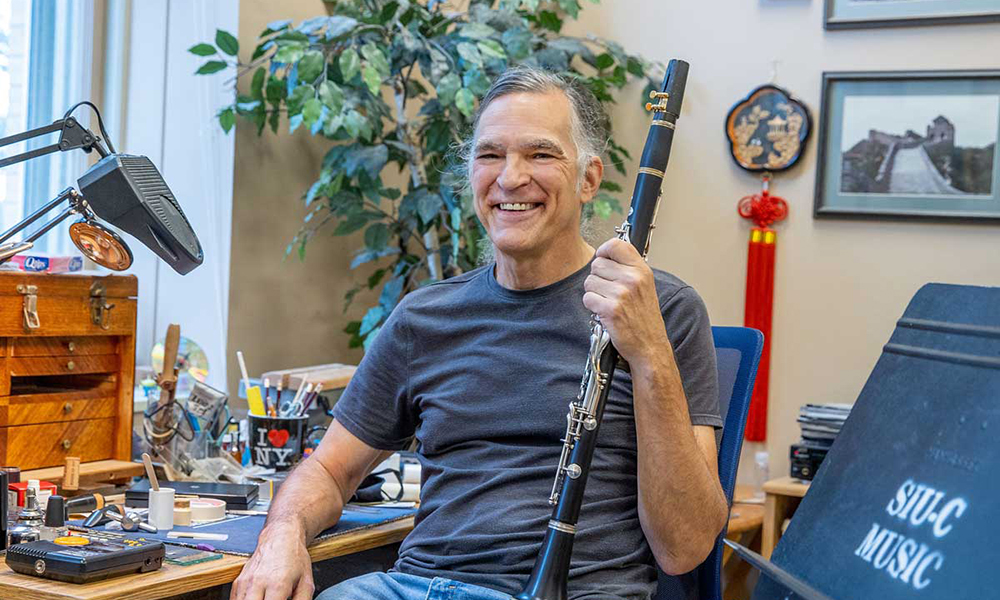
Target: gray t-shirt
{"points": [[483, 377]]}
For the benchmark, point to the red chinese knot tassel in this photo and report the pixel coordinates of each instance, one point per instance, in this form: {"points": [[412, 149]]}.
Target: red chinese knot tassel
{"points": [[763, 209]]}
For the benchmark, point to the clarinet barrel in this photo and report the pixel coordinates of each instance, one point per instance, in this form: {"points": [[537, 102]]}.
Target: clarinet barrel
{"points": [[550, 574]]}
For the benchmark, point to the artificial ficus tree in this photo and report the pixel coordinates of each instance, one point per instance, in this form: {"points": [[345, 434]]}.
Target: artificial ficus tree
{"points": [[396, 82]]}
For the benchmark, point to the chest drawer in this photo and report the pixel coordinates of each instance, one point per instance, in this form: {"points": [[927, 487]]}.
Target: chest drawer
{"points": [[35, 446], [62, 365], [63, 346], [53, 408]]}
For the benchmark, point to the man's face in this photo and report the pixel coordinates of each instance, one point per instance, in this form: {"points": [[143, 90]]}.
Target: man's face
{"points": [[524, 174]]}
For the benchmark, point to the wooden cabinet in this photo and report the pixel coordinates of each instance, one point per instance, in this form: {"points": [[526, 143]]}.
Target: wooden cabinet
{"points": [[67, 362]]}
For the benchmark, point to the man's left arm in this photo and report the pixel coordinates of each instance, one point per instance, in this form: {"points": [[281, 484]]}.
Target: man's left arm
{"points": [[681, 505]]}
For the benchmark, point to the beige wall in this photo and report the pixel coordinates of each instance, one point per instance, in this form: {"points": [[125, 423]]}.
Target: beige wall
{"points": [[840, 285]]}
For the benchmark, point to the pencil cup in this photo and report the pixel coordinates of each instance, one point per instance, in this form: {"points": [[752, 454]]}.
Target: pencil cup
{"points": [[161, 508], [276, 442]]}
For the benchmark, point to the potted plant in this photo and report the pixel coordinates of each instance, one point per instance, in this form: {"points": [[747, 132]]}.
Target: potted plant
{"points": [[396, 82]]}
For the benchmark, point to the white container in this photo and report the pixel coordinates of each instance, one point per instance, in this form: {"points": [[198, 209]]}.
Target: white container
{"points": [[161, 508]]}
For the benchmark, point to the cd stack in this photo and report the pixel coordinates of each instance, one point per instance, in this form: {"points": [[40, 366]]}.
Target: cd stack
{"points": [[820, 425]]}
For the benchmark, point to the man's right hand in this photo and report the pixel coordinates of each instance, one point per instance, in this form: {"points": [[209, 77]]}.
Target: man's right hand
{"points": [[279, 568]]}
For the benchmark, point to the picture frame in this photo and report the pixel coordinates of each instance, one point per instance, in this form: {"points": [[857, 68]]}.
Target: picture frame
{"points": [[861, 14], [909, 145]]}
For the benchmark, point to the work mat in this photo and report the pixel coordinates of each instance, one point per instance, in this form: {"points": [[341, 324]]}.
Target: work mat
{"points": [[243, 530]]}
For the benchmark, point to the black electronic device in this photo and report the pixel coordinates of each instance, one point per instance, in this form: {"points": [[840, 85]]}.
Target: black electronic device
{"points": [[82, 558], [805, 460], [238, 496]]}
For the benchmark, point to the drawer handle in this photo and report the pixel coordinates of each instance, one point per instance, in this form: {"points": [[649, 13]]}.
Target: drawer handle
{"points": [[71, 346], [66, 444], [68, 407], [70, 365]]}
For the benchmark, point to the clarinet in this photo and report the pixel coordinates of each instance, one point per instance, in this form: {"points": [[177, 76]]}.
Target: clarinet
{"points": [[551, 571]]}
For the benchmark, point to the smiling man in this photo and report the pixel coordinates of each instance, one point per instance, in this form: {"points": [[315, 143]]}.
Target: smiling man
{"points": [[480, 368]]}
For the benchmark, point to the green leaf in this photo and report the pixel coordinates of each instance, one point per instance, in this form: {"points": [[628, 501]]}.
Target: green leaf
{"points": [[333, 125], [611, 186], [477, 82], [428, 205], [352, 223], [331, 95], [491, 49], [371, 337], [617, 78], [571, 7], [634, 67], [448, 87], [465, 101], [470, 54], [299, 95], [372, 318], [388, 12], [350, 64], [602, 209], [376, 277], [257, 83], [603, 61], [372, 79], [275, 91], [289, 51], [202, 49], [476, 31], [212, 66], [377, 236], [226, 42], [273, 121], [274, 26], [518, 42], [311, 111], [390, 293], [311, 66], [353, 122], [338, 26], [227, 119], [376, 58], [371, 159], [550, 20]]}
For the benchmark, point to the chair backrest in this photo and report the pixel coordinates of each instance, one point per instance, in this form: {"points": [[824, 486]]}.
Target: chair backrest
{"points": [[737, 353]]}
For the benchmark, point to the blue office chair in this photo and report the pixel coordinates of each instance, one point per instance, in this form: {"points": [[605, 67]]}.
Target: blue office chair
{"points": [[737, 352]]}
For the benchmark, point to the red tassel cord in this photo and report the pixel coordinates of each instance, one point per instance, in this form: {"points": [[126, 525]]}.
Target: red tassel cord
{"points": [[763, 209]]}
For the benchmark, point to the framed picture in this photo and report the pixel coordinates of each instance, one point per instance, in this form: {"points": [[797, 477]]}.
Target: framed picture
{"points": [[854, 14], [909, 144]]}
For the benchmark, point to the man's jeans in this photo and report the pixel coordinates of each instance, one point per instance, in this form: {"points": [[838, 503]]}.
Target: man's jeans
{"points": [[399, 586]]}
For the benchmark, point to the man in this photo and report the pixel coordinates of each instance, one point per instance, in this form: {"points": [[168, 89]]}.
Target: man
{"points": [[480, 369]]}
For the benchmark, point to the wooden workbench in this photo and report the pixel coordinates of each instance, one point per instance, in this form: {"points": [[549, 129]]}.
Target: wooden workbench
{"points": [[172, 580]]}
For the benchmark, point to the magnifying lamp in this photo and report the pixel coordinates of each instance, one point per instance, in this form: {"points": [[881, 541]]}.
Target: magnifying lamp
{"points": [[124, 190]]}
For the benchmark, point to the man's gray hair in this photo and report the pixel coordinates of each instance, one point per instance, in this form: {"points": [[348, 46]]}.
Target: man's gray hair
{"points": [[590, 126]]}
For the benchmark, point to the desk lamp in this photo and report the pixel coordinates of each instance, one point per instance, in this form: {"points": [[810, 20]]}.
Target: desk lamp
{"points": [[124, 190]]}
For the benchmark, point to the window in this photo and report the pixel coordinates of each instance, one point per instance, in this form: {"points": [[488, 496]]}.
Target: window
{"points": [[46, 65]]}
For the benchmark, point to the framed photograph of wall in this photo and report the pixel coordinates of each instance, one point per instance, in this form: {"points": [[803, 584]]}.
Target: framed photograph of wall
{"points": [[855, 14], [909, 144]]}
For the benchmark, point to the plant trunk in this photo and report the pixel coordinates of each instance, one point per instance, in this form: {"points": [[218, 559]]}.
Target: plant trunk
{"points": [[418, 176]]}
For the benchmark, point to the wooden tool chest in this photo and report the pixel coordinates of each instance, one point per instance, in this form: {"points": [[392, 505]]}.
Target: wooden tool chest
{"points": [[67, 362]]}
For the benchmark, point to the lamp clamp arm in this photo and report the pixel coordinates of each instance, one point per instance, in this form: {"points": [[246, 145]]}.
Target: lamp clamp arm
{"points": [[72, 135]]}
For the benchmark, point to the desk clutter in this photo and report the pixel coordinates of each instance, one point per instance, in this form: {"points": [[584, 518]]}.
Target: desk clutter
{"points": [[820, 424]]}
